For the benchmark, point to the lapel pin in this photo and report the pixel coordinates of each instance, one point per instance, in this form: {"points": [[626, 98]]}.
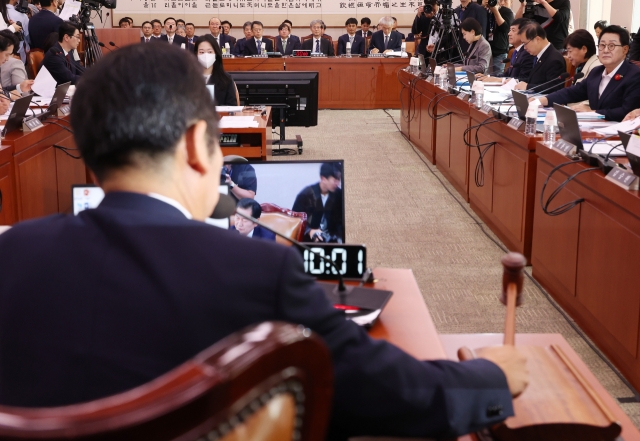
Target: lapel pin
{"points": [[617, 77]]}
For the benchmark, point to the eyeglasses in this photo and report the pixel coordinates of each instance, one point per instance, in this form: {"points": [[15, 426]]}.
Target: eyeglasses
{"points": [[524, 43], [76, 36], [610, 47]]}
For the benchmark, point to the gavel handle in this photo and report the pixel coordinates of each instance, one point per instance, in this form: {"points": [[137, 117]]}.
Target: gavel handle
{"points": [[510, 321]]}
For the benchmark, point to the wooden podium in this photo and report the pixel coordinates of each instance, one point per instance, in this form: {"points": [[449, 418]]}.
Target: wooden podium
{"points": [[120, 37]]}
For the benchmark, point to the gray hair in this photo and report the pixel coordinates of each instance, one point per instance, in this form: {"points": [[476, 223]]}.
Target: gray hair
{"points": [[247, 23], [386, 21], [315, 22]]}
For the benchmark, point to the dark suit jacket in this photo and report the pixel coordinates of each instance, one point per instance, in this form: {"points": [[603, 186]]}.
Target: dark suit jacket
{"points": [[634, 50], [250, 47], [192, 46], [292, 45], [224, 95], [619, 97], [356, 48], [132, 289], [177, 40], [224, 39], [259, 233], [473, 10], [377, 41], [326, 46], [41, 25], [368, 33], [551, 65], [60, 68], [238, 48], [521, 67]]}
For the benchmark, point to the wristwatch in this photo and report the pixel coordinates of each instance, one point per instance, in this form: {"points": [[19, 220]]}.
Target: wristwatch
{"points": [[232, 184]]}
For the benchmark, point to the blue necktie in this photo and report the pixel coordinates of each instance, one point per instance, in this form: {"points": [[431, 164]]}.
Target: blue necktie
{"points": [[259, 45], [386, 41], [535, 60], [318, 46], [514, 56]]}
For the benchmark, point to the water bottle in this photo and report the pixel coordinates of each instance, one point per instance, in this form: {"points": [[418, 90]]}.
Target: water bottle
{"points": [[348, 49], [531, 119], [478, 88], [550, 123], [403, 50], [414, 64]]}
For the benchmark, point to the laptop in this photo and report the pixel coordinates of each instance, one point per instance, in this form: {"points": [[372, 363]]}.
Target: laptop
{"points": [[451, 72], [624, 138], [471, 77], [423, 67], [521, 101], [568, 125], [18, 112], [58, 97], [634, 160], [432, 64]]}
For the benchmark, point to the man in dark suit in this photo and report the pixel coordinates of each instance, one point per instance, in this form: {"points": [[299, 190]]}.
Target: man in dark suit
{"points": [[356, 43], [385, 39], [613, 89], [423, 22], [548, 63], [364, 31], [157, 30], [284, 43], [59, 60], [317, 44], [138, 286], [521, 60], [251, 207], [224, 41], [395, 27], [170, 28], [293, 37], [44, 23], [147, 32], [238, 48], [257, 45], [469, 8], [192, 39]]}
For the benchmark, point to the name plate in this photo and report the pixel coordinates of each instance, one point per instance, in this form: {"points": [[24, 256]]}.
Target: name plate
{"points": [[430, 78], [516, 123], [564, 147], [30, 125], [464, 96], [623, 178], [64, 110], [486, 108]]}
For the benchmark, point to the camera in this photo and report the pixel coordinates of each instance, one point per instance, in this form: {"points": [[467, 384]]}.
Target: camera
{"points": [[84, 16], [22, 6], [492, 3], [529, 9]]}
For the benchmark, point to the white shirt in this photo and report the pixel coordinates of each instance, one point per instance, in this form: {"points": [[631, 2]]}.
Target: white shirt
{"points": [[170, 38], [313, 48], [604, 82], [171, 202], [250, 233]]}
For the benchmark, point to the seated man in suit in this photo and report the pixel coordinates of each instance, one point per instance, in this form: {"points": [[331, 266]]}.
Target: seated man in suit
{"points": [[250, 207], [548, 63], [613, 89], [59, 60], [521, 60], [147, 32], [257, 45], [479, 48], [157, 29], [192, 38], [223, 40], [395, 27], [316, 44], [177, 285], [356, 43], [238, 48], [124, 23], [44, 23], [293, 37], [226, 28], [386, 39], [171, 37], [365, 24], [284, 43]]}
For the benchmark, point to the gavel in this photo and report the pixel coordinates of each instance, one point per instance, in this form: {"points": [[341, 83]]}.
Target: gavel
{"points": [[511, 297]]}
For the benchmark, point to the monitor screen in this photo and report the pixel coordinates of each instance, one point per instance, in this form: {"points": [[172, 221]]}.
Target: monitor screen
{"points": [[301, 199]]}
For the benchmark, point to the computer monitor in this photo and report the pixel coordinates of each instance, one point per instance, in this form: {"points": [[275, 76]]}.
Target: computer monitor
{"points": [[296, 92], [314, 188]]}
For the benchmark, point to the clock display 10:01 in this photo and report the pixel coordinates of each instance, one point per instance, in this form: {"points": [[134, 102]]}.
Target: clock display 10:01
{"points": [[350, 261]]}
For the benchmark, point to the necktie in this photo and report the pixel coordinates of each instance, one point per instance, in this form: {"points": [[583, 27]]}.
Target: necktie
{"points": [[259, 45], [386, 41], [146, 40], [68, 57], [535, 60], [513, 57], [170, 40], [351, 41], [284, 45], [318, 46]]}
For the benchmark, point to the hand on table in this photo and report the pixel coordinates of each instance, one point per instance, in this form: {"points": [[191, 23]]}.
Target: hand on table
{"points": [[375, 51], [512, 363], [543, 100], [521, 86], [581, 108], [632, 115]]}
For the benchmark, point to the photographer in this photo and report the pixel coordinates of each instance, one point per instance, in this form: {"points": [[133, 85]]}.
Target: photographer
{"points": [[554, 19], [500, 19], [471, 9], [423, 22], [18, 15], [44, 23]]}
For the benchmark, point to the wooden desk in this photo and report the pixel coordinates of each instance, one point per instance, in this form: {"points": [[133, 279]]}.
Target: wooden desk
{"points": [[451, 343], [587, 258], [35, 176], [506, 200], [343, 83], [255, 142]]}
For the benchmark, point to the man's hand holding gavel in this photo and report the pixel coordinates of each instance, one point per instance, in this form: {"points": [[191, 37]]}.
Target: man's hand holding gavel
{"points": [[512, 363]]}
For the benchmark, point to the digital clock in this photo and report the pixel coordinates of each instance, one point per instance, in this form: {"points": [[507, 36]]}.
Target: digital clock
{"points": [[350, 260]]}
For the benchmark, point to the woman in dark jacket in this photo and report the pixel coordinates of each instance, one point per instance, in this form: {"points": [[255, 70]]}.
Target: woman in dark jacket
{"points": [[210, 57]]}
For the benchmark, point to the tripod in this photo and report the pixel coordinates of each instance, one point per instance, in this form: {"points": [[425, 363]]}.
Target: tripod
{"points": [[92, 51], [446, 25]]}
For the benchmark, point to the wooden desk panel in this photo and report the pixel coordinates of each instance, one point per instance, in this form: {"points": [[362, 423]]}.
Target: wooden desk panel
{"points": [[255, 142], [453, 162], [406, 97], [426, 141], [602, 234], [121, 37], [37, 185], [452, 342], [7, 188]]}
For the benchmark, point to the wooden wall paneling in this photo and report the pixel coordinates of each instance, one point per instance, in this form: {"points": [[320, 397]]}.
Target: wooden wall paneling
{"points": [[387, 86], [121, 37], [415, 117], [7, 195], [508, 191], [37, 182], [69, 171]]}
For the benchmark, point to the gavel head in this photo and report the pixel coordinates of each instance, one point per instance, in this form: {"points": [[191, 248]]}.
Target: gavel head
{"points": [[514, 264]]}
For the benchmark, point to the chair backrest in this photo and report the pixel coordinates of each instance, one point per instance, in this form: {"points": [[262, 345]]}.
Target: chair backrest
{"points": [[273, 40], [327, 37], [305, 38], [367, 42], [335, 47], [410, 47], [509, 55], [35, 60], [272, 379], [290, 223]]}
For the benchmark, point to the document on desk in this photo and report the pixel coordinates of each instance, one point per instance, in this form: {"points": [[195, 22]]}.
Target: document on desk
{"points": [[44, 84], [611, 148], [229, 108], [589, 115], [624, 126], [238, 122]]}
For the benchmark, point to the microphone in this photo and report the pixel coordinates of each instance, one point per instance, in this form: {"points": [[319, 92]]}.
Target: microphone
{"points": [[575, 77], [105, 20], [101, 44], [111, 43], [564, 76]]}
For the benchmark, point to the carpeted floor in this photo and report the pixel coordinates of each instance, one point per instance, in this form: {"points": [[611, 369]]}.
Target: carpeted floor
{"points": [[407, 214]]}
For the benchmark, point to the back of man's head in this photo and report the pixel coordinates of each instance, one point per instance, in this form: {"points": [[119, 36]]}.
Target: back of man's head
{"points": [[256, 209], [533, 30], [123, 116]]}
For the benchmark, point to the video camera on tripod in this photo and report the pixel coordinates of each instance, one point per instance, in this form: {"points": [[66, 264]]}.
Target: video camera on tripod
{"points": [[88, 6], [529, 9], [92, 52]]}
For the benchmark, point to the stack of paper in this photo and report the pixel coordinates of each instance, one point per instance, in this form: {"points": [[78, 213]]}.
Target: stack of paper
{"points": [[620, 127], [237, 122]]}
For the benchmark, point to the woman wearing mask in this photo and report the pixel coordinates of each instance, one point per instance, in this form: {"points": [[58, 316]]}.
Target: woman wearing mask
{"points": [[210, 57]]}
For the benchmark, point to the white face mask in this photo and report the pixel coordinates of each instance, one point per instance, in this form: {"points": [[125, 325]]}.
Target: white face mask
{"points": [[207, 60]]}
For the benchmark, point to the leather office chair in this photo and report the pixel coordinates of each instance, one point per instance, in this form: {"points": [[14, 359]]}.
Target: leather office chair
{"points": [[367, 42], [271, 381], [410, 47], [335, 47], [273, 40], [571, 69], [509, 55], [290, 223], [36, 56]]}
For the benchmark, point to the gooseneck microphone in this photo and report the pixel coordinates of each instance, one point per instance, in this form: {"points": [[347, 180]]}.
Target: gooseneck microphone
{"points": [[111, 43], [563, 76], [101, 44], [575, 77]]}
